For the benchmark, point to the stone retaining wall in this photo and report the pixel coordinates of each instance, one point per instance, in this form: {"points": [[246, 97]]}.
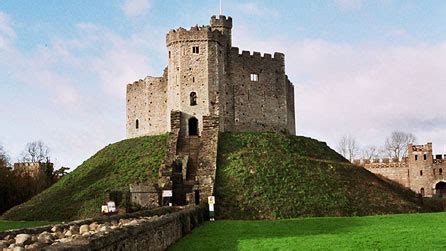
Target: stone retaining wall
{"points": [[144, 231]]}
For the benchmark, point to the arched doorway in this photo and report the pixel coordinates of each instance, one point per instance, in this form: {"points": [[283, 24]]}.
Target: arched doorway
{"points": [[440, 189], [193, 126]]}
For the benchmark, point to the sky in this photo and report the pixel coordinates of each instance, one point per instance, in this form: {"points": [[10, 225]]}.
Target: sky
{"points": [[362, 68]]}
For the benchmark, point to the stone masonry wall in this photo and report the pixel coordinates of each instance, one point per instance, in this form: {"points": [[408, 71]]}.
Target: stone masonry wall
{"points": [[420, 170], [165, 170], [258, 105], [155, 229], [189, 72], [396, 171], [207, 170], [36, 170], [154, 235], [425, 172], [146, 102], [291, 119]]}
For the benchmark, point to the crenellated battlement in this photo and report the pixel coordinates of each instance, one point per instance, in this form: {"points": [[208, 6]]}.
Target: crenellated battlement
{"points": [[221, 22], [142, 83], [381, 162], [439, 159], [195, 33], [278, 57], [420, 148]]}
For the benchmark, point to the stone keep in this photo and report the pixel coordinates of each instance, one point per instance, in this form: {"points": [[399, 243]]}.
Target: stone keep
{"points": [[206, 76]]}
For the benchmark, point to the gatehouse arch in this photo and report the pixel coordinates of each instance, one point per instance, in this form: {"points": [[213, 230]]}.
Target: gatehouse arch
{"points": [[440, 188]]}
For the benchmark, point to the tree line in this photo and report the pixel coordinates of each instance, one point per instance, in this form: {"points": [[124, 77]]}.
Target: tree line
{"points": [[395, 146], [16, 188]]}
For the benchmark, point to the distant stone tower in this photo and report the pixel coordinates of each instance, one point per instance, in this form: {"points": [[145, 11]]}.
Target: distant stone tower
{"points": [[420, 171], [206, 76]]}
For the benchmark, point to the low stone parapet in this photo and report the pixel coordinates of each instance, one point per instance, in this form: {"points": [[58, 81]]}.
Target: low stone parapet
{"points": [[146, 230]]}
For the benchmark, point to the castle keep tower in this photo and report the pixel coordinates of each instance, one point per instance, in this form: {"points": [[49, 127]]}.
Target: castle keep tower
{"points": [[206, 76], [195, 71], [208, 87]]}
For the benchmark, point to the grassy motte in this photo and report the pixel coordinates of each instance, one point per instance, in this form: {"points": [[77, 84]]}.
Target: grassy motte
{"points": [[271, 175], [390, 232], [81, 193], [9, 225], [259, 176]]}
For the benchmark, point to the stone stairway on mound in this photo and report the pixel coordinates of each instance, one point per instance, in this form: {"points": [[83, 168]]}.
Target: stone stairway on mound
{"points": [[190, 165], [184, 177]]}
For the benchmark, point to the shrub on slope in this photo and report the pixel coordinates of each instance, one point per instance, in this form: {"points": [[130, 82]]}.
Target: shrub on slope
{"points": [[81, 193], [269, 175]]}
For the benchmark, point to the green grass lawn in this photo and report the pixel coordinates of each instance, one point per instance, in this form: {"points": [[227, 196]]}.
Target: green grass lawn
{"points": [[400, 232], [8, 225]]}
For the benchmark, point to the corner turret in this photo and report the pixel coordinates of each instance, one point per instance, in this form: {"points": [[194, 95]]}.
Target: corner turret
{"points": [[224, 25]]}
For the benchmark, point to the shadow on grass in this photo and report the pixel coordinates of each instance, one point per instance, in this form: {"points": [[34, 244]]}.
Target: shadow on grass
{"points": [[226, 234]]}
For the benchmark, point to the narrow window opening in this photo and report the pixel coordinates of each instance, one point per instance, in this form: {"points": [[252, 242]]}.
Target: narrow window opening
{"points": [[254, 77], [421, 172], [137, 124], [196, 50], [416, 157], [422, 191], [440, 171], [169, 54], [193, 98], [425, 157], [197, 197]]}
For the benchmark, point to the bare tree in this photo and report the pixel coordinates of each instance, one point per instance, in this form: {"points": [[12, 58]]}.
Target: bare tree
{"points": [[36, 151], [4, 158], [348, 147], [396, 145], [370, 152]]}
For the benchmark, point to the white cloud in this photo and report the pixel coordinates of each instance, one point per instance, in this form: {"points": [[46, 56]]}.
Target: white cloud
{"points": [[134, 8], [7, 33], [76, 89], [118, 67], [257, 10], [5, 26]]}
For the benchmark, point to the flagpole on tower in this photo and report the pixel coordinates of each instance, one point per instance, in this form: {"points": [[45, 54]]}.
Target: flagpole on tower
{"points": [[221, 10]]}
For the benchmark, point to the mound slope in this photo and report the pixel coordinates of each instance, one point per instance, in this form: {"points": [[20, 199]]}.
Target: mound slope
{"points": [[269, 175], [259, 176], [81, 193]]}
